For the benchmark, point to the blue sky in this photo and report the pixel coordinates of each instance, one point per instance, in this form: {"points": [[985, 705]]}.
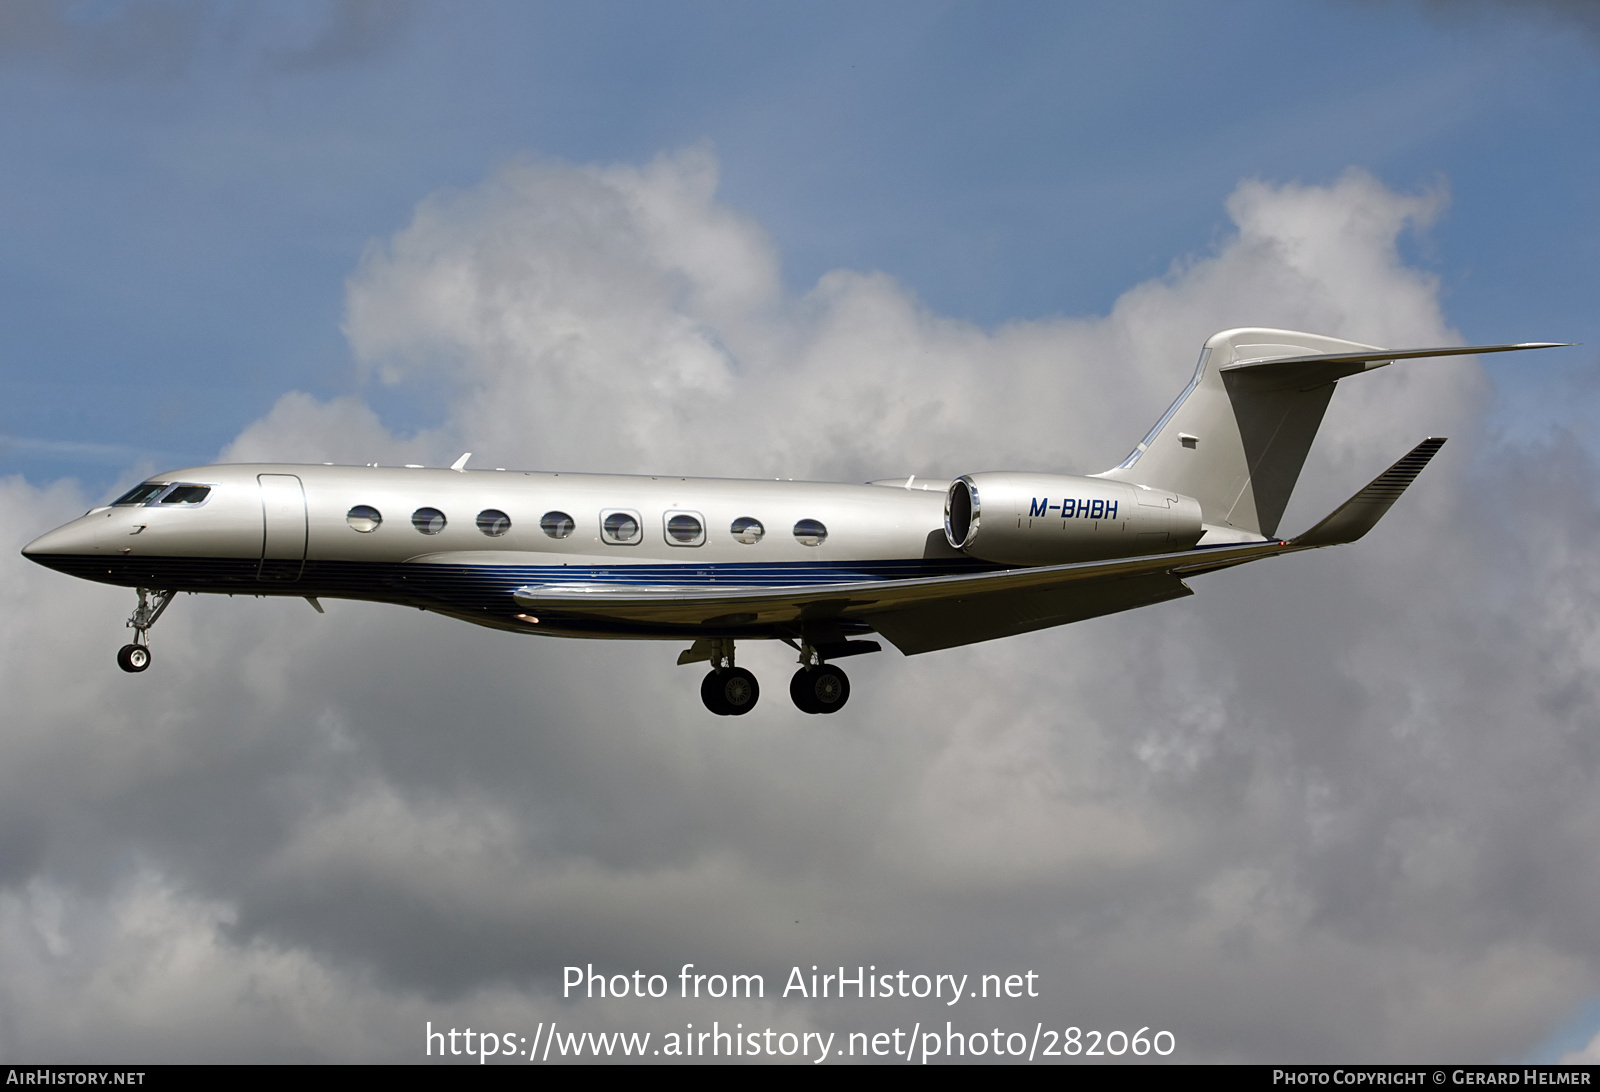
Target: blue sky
{"points": [[182, 205]]}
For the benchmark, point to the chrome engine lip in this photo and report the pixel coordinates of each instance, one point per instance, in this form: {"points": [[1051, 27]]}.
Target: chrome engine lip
{"points": [[964, 482]]}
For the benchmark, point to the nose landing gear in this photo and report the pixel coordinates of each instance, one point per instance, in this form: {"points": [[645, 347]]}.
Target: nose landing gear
{"points": [[136, 656]]}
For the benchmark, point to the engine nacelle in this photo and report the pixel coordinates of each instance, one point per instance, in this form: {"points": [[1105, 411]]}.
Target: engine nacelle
{"points": [[1053, 519]]}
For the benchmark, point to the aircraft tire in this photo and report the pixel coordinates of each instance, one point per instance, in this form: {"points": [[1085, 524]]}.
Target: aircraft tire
{"points": [[708, 694], [800, 691], [730, 693], [739, 691], [820, 689], [133, 658]]}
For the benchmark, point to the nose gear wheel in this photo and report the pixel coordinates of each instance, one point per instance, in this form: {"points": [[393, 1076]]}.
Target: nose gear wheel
{"points": [[136, 657], [133, 658]]}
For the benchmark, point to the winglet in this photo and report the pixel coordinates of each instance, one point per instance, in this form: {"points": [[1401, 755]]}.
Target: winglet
{"points": [[460, 465], [1358, 515]]}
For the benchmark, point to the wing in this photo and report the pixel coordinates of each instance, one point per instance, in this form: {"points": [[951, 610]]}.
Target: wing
{"points": [[924, 614]]}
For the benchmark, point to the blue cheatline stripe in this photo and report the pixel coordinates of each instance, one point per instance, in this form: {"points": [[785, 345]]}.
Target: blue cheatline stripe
{"points": [[472, 589], [489, 587], [744, 574]]}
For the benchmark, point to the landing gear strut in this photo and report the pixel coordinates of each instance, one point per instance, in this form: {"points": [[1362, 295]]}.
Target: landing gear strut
{"points": [[821, 688], [136, 657], [818, 687], [728, 691]]}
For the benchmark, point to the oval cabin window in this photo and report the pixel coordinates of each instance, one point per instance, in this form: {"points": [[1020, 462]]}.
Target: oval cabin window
{"points": [[430, 521], [620, 528], [363, 518], [810, 532], [493, 522], [747, 530], [685, 529], [557, 524]]}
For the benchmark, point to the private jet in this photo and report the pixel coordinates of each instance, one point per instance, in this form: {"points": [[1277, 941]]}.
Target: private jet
{"points": [[925, 565]]}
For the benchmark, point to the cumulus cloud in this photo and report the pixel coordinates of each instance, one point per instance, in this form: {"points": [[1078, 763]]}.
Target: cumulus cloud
{"points": [[619, 319], [1335, 806]]}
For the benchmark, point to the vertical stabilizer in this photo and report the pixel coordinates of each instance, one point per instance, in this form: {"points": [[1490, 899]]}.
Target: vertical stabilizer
{"points": [[1237, 437]]}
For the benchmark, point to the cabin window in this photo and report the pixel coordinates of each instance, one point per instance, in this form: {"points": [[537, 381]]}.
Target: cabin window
{"points": [[747, 530], [139, 494], [363, 518], [493, 522], [619, 526], [186, 494], [684, 529], [810, 532], [430, 521], [557, 524]]}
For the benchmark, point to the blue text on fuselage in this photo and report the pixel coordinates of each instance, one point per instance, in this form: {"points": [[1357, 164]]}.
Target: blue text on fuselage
{"points": [[1073, 508]]}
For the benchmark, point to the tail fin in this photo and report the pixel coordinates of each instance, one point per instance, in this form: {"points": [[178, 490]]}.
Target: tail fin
{"points": [[1238, 435]]}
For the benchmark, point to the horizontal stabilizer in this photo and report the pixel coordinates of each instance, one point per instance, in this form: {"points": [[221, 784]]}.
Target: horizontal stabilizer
{"points": [[1358, 515], [1316, 369]]}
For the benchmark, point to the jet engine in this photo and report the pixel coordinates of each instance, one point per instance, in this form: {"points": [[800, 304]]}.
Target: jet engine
{"points": [[1054, 519]]}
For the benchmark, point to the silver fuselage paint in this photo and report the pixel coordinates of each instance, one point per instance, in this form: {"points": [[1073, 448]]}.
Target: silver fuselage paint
{"points": [[247, 536], [864, 522]]}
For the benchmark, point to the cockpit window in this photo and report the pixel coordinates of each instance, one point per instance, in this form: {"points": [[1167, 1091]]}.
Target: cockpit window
{"points": [[140, 494], [186, 494], [165, 493]]}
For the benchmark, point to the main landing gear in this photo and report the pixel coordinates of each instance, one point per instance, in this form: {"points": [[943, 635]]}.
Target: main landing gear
{"points": [[817, 687], [820, 688], [136, 657], [730, 691]]}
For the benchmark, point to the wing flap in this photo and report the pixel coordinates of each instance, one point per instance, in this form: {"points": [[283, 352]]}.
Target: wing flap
{"points": [[929, 627]]}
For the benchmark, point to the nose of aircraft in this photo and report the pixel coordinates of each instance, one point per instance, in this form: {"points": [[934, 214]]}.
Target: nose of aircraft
{"points": [[75, 538]]}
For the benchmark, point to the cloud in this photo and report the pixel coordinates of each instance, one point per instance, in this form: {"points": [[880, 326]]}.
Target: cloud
{"points": [[122, 41], [1337, 806], [1578, 14]]}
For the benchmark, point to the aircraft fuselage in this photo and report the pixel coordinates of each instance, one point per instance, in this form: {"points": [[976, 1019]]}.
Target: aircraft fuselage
{"points": [[459, 542]]}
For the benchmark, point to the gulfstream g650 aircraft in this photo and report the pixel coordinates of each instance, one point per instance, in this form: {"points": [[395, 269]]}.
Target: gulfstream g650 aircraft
{"points": [[928, 565]]}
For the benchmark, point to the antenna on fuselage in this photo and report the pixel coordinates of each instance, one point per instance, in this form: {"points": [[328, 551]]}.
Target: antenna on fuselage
{"points": [[460, 465]]}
